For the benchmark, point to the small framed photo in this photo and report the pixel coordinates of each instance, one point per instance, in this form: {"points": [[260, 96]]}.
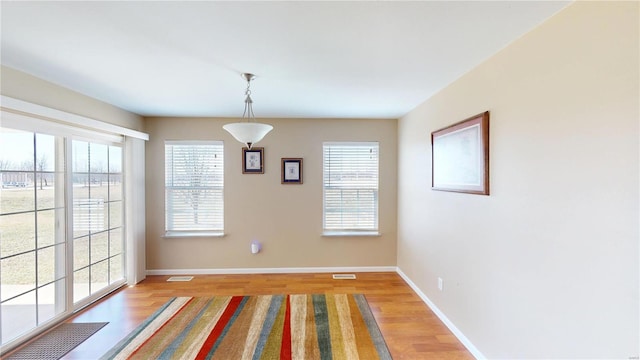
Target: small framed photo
{"points": [[291, 171], [253, 160]]}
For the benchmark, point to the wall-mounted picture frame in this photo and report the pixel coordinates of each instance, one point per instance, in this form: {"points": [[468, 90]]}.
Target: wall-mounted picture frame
{"points": [[253, 160], [291, 171], [460, 156]]}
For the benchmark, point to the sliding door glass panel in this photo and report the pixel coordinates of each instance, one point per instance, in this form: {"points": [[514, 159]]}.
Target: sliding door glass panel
{"points": [[32, 231], [97, 217]]}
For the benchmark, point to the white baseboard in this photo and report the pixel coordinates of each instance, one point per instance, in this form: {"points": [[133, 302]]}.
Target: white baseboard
{"points": [[463, 339], [298, 270]]}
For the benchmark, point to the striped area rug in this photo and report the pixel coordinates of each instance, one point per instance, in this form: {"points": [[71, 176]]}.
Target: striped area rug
{"points": [[331, 326]]}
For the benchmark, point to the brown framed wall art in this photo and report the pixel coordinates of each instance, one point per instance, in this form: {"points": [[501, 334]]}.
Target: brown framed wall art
{"points": [[253, 160], [460, 156], [291, 172]]}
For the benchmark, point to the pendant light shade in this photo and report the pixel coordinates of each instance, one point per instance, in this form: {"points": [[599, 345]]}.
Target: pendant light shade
{"points": [[250, 131]]}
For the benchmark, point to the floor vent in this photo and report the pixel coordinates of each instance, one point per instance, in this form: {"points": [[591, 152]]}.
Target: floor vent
{"points": [[180, 278], [344, 276]]}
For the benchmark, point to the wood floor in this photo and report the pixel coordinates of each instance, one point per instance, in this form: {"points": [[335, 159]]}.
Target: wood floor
{"points": [[410, 329]]}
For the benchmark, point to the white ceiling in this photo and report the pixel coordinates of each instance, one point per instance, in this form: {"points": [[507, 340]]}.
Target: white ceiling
{"points": [[312, 59]]}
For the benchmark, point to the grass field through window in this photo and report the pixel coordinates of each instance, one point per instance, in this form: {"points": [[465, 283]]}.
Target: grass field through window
{"points": [[92, 244]]}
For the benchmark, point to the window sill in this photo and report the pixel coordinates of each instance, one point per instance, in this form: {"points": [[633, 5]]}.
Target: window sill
{"points": [[192, 234], [342, 233]]}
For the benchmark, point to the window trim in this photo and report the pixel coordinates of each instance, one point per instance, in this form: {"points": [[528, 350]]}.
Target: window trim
{"points": [[352, 233], [172, 234], [73, 121]]}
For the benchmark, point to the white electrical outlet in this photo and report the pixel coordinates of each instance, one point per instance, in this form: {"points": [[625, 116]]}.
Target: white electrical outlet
{"points": [[440, 283]]}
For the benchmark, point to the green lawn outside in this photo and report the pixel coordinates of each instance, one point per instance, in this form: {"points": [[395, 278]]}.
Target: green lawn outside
{"points": [[17, 234]]}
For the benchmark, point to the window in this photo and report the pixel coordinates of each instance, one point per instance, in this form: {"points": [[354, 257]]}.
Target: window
{"points": [[350, 188], [194, 188]]}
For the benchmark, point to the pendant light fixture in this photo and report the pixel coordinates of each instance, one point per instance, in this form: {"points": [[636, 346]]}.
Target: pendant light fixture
{"points": [[248, 132]]}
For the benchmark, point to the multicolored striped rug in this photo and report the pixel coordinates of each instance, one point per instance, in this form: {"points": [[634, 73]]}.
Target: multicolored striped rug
{"points": [[331, 326]]}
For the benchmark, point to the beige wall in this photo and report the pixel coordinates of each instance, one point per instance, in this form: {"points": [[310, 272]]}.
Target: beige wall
{"points": [[547, 266], [22, 86], [287, 219]]}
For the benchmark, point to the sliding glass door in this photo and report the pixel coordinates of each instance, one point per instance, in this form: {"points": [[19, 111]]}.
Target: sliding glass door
{"points": [[61, 225], [32, 231]]}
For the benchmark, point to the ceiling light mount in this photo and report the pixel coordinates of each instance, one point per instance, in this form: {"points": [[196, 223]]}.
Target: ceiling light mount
{"points": [[248, 77], [250, 131]]}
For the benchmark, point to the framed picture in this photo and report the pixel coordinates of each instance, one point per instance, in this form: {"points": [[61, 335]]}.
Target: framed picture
{"points": [[253, 160], [460, 156], [291, 171]]}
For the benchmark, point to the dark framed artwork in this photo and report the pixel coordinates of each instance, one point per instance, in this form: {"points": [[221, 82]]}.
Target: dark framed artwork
{"points": [[291, 171], [253, 160], [460, 156]]}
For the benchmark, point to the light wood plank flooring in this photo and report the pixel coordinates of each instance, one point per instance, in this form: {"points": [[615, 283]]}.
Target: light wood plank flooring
{"points": [[410, 329]]}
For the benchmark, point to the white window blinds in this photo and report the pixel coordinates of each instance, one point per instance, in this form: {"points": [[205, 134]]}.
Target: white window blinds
{"points": [[194, 187], [350, 194]]}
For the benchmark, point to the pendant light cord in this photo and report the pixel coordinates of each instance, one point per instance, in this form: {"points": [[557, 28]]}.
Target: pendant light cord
{"points": [[248, 104]]}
